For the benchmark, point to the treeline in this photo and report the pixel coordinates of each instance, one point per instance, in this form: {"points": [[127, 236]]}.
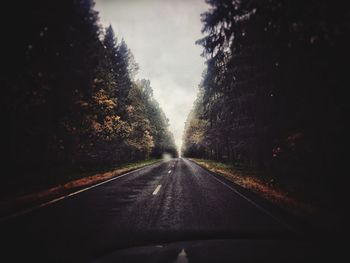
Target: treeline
{"points": [[273, 97], [69, 97]]}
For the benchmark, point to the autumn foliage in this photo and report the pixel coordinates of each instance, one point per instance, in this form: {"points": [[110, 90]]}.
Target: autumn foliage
{"points": [[71, 100]]}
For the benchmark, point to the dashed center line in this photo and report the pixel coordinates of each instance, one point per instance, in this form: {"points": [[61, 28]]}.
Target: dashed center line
{"points": [[157, 189]]}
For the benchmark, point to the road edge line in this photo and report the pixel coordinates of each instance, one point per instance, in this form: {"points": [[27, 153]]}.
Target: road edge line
{"points": [[55, 200], [280, 221]]}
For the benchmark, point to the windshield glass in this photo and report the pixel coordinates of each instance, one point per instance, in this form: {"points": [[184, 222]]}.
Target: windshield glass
{"points": [[187, 130]]}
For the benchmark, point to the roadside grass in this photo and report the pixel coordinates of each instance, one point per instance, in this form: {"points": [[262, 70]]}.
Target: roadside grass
{"points": [[72, 182], [263, 186]]}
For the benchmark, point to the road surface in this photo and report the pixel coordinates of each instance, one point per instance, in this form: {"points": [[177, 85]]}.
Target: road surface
{"points": [[169, 201]]}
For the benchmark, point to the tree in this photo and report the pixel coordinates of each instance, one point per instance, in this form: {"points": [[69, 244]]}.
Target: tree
{"points": [[141, 140], [69, 96], [272, 90], [163, 138]]}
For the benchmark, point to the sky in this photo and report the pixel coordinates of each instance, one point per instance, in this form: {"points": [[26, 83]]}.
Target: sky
{"points": [[161, 34]]}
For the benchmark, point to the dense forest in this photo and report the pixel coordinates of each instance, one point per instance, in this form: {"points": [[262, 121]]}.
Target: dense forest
{"points": [[70, 100], [273, 96]]}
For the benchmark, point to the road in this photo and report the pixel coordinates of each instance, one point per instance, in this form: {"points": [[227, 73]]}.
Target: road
{"points": [[169, 201]]}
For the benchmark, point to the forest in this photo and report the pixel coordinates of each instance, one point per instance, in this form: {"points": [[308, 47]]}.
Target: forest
{"points": [[86, 171], [70, 99], [273, 96]]}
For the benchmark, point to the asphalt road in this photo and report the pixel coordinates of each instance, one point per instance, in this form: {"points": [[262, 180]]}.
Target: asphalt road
{"points": [[165, 202]]}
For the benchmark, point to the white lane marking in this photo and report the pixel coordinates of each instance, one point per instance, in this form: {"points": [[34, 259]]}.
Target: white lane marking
{"points": [[182, 257], [29, 210], [247, 199], [169, 172], [157, 189]]}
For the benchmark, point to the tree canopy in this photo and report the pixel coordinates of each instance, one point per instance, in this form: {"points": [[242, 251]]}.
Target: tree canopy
{"points": [[70, 98], [273, 95]]}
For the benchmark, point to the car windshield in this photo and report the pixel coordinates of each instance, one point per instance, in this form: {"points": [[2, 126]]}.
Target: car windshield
{"points": [[174, 130]]}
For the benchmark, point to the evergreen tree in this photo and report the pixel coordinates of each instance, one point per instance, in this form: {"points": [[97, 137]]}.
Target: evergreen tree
{"points": [[272, 90], [69, 96]]}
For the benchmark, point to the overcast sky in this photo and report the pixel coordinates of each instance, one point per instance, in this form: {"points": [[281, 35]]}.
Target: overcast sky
{"points": [[162, 34]]}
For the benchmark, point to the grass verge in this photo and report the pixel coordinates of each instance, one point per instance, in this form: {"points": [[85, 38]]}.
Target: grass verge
{"points": [[268, 191], [17, 203]]}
